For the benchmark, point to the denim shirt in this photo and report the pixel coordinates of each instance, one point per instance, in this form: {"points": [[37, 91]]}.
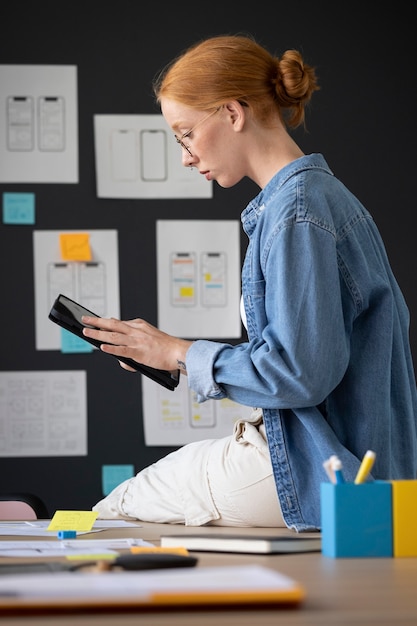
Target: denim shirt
{"points": [[328, 356]]}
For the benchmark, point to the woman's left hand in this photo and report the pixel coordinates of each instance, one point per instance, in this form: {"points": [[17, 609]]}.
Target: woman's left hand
{"points": [[138, 340]]}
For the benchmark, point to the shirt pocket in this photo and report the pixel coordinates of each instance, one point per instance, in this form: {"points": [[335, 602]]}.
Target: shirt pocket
{"points": [[254, 303]]}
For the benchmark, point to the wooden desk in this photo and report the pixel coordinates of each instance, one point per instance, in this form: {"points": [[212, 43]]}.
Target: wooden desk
{"points": [[338, 591]]}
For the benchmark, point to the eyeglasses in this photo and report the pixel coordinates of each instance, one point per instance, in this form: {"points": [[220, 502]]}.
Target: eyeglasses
{"points": [[180, 140]]}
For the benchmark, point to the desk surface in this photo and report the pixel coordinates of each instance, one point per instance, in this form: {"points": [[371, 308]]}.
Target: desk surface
{"points": [[376, 591]]}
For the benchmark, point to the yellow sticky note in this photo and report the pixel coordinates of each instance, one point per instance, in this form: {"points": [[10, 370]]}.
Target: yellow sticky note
{"points": [[73, 520], [75, 246]]}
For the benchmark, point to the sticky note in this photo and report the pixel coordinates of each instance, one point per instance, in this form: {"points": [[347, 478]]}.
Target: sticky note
{"points": [[73, 520], [71, 344], [18, 208], [113, 475], [75, 246]]}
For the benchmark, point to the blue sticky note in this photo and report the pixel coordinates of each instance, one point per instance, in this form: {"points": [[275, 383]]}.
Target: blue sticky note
{"points": [[70, 343], [18, 208], [113, 475]]}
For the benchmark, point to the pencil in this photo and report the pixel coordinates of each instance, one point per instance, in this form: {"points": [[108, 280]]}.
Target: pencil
{"points": [[365, 467]]}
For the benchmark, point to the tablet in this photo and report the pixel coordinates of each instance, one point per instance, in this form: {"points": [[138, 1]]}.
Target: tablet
{"points": [[67, 313]]}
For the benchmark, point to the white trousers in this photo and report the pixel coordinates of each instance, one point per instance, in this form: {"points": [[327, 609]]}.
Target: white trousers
{"points": [[223, 482]]}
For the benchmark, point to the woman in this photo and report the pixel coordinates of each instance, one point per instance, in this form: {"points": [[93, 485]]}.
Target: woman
{"points": [[327, 363]]}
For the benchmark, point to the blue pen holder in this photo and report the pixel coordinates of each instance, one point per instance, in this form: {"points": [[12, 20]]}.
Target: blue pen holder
{"points": [[356, 520]]}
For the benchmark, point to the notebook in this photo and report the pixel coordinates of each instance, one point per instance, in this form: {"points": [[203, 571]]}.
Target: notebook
{"points": [[255, 544], [178, 588]]}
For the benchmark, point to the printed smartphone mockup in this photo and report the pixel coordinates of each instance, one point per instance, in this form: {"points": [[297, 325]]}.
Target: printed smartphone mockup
{"points": [[92, 285], [20, 123], [123, 154], [153, 152], [183, 279], [67, 313], [51, 115], [60, 279], [213, 279]]}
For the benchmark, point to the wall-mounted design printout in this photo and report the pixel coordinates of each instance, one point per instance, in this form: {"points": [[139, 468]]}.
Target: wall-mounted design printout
{"points": [[38, 124], [198, 264], [174, 419], [93, 283], [43, 414], [137, 156]]}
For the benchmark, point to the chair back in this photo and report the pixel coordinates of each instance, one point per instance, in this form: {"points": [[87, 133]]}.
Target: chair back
{"points": [[22, 506]]}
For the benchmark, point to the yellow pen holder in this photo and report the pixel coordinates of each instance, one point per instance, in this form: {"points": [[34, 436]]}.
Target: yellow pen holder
{"points": [[404, 514]]}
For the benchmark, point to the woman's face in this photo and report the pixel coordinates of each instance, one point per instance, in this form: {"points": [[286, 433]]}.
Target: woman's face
{"points": [[211, 146]]}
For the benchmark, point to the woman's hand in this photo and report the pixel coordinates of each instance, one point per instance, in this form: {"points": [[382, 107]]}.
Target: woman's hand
{"points": [[138, 340]]}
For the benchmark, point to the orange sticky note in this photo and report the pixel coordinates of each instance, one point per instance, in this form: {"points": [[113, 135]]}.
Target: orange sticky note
{"points": [[73, 520], [75, 246]]}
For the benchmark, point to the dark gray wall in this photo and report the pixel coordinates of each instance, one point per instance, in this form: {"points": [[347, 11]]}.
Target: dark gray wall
{"points": [[363, 120]]}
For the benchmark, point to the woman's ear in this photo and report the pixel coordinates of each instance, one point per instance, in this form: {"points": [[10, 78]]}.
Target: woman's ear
{"points": [[236, 113]]}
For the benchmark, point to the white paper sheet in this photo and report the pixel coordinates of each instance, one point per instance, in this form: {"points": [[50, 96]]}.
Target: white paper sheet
{"points": [[173, 418], [38, 124], [137, 156], [43, 413], [97, 289], [40, 527], [73, 547], [198, 264]]}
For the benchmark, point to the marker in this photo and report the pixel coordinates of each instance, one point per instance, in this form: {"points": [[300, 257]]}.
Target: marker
{"points": [[67, 534], [337, 468], [365, 467], [158, 549]]}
